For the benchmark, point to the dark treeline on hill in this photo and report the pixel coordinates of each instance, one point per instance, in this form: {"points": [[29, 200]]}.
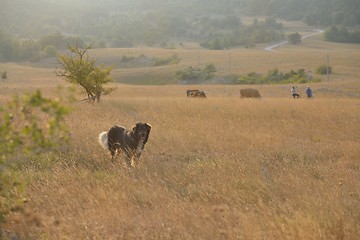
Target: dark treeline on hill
{"points": [[343, 35], [112, 23], [15, 49]]}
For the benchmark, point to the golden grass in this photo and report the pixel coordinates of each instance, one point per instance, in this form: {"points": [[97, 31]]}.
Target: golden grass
{"points": [[220, 168]]}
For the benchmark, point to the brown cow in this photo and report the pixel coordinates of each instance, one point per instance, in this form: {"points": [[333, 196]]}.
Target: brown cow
{"points": [[249, 93]]}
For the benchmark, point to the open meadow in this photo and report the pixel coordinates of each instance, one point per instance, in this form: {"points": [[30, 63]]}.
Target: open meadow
{"points": [[215, 168]]}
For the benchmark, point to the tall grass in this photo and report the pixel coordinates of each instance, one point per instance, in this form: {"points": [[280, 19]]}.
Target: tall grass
{"points": [[221, 168]]}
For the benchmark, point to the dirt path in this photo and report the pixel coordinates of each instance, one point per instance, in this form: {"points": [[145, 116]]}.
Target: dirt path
{"points": [[273, 46]]}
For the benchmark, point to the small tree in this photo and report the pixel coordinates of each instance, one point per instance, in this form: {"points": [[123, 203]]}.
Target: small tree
{"points": [[209, 71], [323, 69], [294, 38], [80, 70], [189, 73]]}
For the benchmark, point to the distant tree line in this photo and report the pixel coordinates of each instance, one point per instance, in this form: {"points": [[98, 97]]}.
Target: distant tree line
{"points": [[312, 12], [342, 34], [90, 17], [258, 32], [15, 49], [215, 24], [273, 76]]}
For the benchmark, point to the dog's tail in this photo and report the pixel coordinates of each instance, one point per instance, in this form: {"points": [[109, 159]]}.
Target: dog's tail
{"points": [[103, 140]]}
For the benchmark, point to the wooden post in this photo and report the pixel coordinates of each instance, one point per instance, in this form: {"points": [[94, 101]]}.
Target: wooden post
{"points": [[327, 68], [229, 63]]}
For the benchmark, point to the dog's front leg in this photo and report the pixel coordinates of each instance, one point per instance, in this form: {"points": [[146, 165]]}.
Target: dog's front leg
{"points": [[127, 161], [112, 153], [133, 161]]}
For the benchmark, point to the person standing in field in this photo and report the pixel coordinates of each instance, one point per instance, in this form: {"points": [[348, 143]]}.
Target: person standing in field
{"points": [[308, 92], [293, 93]]}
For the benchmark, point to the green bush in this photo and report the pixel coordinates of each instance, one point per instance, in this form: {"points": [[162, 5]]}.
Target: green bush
{"points": [[294, 38], [343, 35], [194, 74], [4, 75], [174, 59], [274, 76], [126, 58], [24, 132], [189, 73], [250, 78], [323, 69], [50, 51]]}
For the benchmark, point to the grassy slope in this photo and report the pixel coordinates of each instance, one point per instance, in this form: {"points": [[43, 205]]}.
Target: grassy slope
{"points": [[273, 168]]}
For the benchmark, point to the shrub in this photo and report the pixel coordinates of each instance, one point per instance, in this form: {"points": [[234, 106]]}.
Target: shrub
{"points": [[232, 78], [24, 130], [209, 71], [294, 38], [343, 35], [192, 73], [189, 73], [274, 76], [50, 51], [250, 78], [4, 75], [126, 58], [323, 69], [174, 59]]}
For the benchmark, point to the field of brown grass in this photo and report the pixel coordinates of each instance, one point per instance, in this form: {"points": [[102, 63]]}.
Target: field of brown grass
{"points": [[220, 168]]}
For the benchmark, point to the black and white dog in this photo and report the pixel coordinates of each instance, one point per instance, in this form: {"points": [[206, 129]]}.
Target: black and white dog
{"points": [[130, 142]]}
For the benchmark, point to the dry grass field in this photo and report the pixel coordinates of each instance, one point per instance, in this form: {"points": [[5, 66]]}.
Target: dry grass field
{"points": [[220, 168]]}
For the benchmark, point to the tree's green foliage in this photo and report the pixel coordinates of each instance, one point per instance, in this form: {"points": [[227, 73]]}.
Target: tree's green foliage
{"points": [[274, 76], [15, 49], [335, 34], [294, 38], [34, 18], [174, 59], [196, 74], [80, 70], [4, 75], [323, 69], [215, 24], [209, 71], [29, 124], [258, 32]]}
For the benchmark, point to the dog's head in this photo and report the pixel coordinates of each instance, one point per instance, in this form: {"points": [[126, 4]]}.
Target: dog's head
{"points": [[142, 131]]}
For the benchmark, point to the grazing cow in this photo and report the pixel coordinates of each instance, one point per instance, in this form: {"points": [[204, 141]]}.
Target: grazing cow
{"points": [[249, 93], [195, 93], [191, 91]]}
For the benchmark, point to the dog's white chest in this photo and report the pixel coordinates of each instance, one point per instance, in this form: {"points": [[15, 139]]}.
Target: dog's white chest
{"points": [[140, 147]]}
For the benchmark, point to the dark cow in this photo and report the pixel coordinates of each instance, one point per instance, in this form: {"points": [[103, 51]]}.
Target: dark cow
{"points": [[249, 93], [195, 93]]}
